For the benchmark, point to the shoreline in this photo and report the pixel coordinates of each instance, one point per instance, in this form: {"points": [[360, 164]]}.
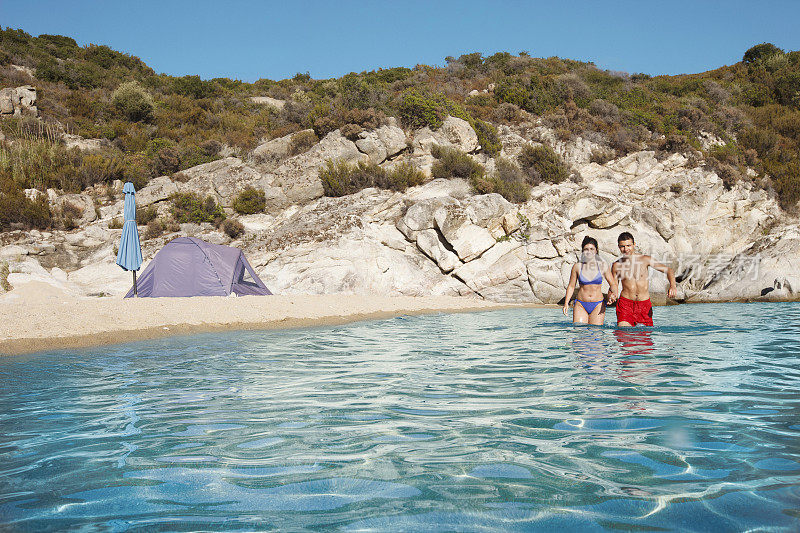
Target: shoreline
{"points": [[38, 317], [41, 318]]}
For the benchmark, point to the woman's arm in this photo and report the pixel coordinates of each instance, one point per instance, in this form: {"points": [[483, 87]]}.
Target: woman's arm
{"points": [[573, 278]]}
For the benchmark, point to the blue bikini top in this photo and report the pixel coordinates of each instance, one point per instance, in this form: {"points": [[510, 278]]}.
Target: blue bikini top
{"points": [[596, 281]]}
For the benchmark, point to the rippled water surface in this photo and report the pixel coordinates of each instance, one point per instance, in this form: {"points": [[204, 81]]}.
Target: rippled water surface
{"points": [[505, 420]]}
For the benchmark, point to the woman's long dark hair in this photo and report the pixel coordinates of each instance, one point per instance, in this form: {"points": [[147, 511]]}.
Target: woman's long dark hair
{"points": [[590, 240]]}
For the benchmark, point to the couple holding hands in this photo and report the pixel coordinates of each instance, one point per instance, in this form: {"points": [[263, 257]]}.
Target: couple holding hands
{"points": [[633, 304]]}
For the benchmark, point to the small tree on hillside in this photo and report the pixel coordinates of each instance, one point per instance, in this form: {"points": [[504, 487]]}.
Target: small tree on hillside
{"points": [[132, 101], [761, 51]]}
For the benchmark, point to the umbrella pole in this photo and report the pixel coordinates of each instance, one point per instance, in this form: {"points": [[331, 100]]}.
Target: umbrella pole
{"points": [[135, 292]]}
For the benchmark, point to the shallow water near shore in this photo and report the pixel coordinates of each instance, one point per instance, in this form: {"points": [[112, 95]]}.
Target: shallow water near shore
{"points": [[503, 420]]}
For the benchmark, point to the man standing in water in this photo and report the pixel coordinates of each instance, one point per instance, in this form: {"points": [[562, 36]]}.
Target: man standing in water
{"points": [[633, 305]]}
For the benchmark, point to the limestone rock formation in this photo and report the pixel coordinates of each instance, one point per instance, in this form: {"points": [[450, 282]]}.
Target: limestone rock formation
{"points": [[440, 237], [18, 101], [85, 145], [266, 100], [298, 176], [81, 204], [277, 150], [382, 143], [222, 179], [454, 132]]}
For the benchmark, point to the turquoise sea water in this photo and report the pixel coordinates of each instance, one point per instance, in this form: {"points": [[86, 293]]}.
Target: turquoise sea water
{"points": [[507, 420]]}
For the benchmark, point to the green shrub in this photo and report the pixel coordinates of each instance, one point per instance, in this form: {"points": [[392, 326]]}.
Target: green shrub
{"points": [[537, 95], [194, 87], [760, 52], [250, 201], [508, 180], [512, 91], [786, 182], [41, 164], [360, 93], [541, 163], [189, 207], [453, 163], [60, 46], [145, 215], [340, 178], [787, 89], [419, 109], [335, 178], [4, 272], [132, 101], [69, 214], [351, 131], [17, 211], [400, 178], [137, 168], [302, 141], [193, 155], [164, 154], [364, 175], [158, 226], [233, 228], [487, 137], [99, 168]]}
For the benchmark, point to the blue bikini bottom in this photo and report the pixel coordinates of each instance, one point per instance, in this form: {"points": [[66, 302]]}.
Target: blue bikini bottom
{"points": [[589, 306]]}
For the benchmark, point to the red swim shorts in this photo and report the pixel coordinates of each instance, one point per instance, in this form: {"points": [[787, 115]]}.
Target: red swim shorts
{"points": [[635, 311]]}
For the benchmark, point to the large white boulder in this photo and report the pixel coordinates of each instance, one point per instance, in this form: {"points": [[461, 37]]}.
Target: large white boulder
{"points": [[268, 101], [382, 143], [222, 179], [103, 278], [298, 176], [454, 132], [503, 262], [81, 203], [430, 244], [157, 190], [277, 149], [420, 216], [467, 239]]}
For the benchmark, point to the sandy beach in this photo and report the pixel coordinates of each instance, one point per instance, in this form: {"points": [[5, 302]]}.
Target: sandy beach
{"points": [[37, 316]]}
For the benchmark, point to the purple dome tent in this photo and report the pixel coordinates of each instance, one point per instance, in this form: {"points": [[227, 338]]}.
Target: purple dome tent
{"points": [[187, 266]]}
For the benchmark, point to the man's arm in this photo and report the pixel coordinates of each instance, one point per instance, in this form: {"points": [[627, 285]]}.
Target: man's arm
{"points": [[613, 286], [673, 287]]}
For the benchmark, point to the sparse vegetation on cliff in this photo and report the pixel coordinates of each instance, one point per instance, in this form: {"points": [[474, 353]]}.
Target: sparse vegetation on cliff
{"points": [[453, 163], [340, 178], [540, 163], [250, 201], [157, 124], [189, 207]]}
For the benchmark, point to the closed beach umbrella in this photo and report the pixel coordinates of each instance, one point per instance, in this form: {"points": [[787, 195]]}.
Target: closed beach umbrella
{"points": [[129, 256]]}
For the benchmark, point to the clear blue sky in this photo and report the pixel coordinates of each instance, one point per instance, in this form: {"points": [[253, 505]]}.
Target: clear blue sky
{"points": [[248, 40]]}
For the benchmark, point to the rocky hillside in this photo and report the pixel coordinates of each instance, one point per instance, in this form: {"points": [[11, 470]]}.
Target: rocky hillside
{"points": [[440, 237], [479, 178]]}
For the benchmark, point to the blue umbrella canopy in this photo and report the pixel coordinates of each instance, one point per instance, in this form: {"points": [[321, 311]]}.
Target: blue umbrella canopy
{"points": [[129, 256]]}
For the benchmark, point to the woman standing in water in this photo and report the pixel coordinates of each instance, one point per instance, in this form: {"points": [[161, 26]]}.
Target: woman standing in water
{"points": [[590, 306]]}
